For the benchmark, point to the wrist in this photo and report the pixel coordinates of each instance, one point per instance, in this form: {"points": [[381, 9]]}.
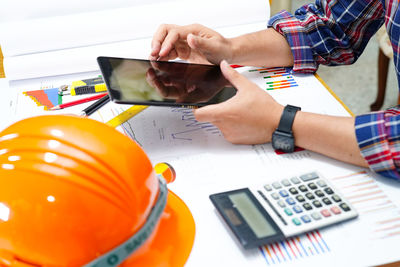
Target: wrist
{"points": [[233, 50], [276, 116], [283, 137], [242, 48]]}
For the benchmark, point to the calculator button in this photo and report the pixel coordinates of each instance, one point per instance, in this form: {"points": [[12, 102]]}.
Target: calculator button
{"points": [[316, 216], [336, 198], [281, 203], [300, 198], [312, 186], [309, 176], [295, 180], [268, 187], [317, 204], [275, 195], [344, 207], [335, 210], [277, 185], [307, 206], [310, 196], [321, 183], [303, 188], [286, 182], [326, 201], [288, 211], [325, 213], [283, 193], [319, 193], [328, 190], [290, 201], [296, 221], [293, 191], [297, 209], [305, 219]]}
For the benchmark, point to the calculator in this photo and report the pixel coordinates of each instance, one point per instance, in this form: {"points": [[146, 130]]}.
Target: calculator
{"points": [[271, 212]]}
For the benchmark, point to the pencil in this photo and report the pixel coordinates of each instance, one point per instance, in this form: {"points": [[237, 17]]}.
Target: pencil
{"points": [[80, 101], [95, 106]]}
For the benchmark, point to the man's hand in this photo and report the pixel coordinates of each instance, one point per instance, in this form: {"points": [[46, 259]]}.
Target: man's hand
{"points": [[250, 117], [194, 43]]}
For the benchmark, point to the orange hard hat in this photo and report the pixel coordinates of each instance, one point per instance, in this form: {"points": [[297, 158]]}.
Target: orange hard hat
{"points": [[76, 192]]}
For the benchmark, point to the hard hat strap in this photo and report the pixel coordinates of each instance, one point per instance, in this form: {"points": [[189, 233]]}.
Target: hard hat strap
{"points": [[120, 253]]}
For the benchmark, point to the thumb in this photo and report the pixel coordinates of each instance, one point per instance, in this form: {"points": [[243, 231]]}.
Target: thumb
{"points": [[234, 77], [207, 113]]}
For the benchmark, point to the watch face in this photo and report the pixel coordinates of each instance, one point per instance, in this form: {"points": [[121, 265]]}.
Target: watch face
{"points": [[283, 142]]}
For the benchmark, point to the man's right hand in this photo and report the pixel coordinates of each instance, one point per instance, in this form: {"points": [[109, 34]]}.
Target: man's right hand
{"points": [[194, 43]]}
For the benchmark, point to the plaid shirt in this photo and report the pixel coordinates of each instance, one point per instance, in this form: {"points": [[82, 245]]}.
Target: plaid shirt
{"points": [[335, 32]]}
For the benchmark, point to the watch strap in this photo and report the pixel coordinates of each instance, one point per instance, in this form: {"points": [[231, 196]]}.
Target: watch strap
{"points": [[287, 118]]}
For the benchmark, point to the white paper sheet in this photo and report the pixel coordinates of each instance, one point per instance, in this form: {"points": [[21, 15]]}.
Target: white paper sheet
{"points": [[122, 24], [27, 10], [83, 59]]}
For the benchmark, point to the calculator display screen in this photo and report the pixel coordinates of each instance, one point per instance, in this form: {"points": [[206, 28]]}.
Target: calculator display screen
{"points": [[253, 217]]}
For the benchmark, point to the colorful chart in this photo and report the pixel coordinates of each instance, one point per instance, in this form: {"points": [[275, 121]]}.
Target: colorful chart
{"points": [[276, 78], [307, 245], [47, 98]]}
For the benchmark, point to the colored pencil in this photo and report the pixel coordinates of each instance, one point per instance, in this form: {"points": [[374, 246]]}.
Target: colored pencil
{"points": [[79, 101]]}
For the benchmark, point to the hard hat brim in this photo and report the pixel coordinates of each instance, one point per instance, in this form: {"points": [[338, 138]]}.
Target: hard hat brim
{"points": [[173, 238]]}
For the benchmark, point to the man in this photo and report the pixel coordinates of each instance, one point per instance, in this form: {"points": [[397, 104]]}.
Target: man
{"points": [[330, 32]]}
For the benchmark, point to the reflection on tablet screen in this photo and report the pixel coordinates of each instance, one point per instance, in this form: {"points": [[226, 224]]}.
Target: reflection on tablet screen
{"points": [[164, 83]]}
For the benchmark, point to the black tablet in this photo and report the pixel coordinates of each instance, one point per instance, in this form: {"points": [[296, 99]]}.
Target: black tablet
{"points": [[164, 83]]}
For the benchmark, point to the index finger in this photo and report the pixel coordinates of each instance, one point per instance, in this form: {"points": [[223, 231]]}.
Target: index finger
{"points": [[167, 34], [158, 39]]}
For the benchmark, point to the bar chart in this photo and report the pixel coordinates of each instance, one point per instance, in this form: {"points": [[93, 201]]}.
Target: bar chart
{"points": [[308, 245], [276, 78]]}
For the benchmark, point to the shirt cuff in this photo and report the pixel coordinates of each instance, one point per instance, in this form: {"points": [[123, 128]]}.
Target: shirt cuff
{"points": [[373, 133], [290, 27]]}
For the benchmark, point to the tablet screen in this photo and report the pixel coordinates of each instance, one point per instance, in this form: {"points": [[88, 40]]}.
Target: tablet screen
{"points": [[145, 82]]}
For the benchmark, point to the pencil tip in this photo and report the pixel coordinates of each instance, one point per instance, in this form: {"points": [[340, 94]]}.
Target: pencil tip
{"points": [[54, 108]]}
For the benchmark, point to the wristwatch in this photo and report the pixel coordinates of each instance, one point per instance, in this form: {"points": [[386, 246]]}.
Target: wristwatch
{"points": [[282, 138]]}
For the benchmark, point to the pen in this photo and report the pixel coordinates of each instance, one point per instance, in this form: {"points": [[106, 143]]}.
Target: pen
{"points": [[95, 106], [80, 101]]}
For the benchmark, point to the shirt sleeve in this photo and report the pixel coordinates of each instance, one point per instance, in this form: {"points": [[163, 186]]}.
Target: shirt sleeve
{"points": [[378, 136], [329, 32]]}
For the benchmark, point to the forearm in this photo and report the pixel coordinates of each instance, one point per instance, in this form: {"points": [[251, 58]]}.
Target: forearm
{"points": [[328, 135], [329, 32], [264, 48]]}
